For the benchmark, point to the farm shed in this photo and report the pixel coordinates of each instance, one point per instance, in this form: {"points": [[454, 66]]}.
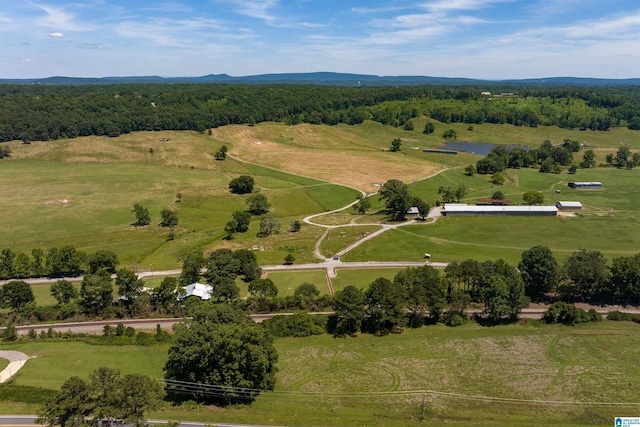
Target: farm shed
{"points": [[199, 290], [413, 210], [459, 209], [569, 206], [585, 185]]}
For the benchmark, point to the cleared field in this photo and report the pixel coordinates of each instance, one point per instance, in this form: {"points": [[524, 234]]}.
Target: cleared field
{"points": [[361, 278], [340, 238], [336, 153], [507, 375], [288, 281]]}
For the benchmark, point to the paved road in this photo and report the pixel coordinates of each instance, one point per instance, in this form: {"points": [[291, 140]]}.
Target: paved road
{"points": [[16, 361]]}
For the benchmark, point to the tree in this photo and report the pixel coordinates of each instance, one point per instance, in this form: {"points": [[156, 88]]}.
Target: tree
{"points": [[191, 265], [395, 193], [96, 293], [37, 266], [572, 169], [221, 154], [624, 285], [395, 145], [269, 224], [497, 178], [231, 228], [69, 407], [21, 266], [7, 256], [384, 302], [242, 220], [469, 170], [622, 156], [16, 294], [306, 289], [460, 192], [242, 184], [540, 272], [235, 358], [167, 295], [533, 197], [295, 226], [142, 215], [429, 128], [129, 285], [289, 259], [588, 159], [425, 292], [497, 195], [64, 292], [449, 134], [169, 218], [247, 264], [348, 308], [138, 394], [258, 204], [362, 206], [588, 271], [103, 259], [106, 397], [423, 207], [263, 288]]}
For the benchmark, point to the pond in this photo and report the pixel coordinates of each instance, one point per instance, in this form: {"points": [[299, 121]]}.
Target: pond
{"points": [[478, 148]]}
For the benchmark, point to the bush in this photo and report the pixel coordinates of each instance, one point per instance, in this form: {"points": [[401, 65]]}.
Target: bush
{"points": [[569, 314], [452, 318], [618, 316], [145, 339]]}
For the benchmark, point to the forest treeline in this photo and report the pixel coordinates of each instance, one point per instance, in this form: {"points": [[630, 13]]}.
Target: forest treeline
{"points": [[45, 112]]}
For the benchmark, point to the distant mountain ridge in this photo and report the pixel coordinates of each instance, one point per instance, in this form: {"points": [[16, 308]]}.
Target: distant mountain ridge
{"points": [[326, 78]]}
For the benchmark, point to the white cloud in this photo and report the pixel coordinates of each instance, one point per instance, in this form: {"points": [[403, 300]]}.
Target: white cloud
{"points": [[56, 34], [58, 19], [443, 6]]}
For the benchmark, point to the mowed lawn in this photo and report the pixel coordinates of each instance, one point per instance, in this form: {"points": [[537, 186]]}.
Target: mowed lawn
{"points": [[525, 374]]}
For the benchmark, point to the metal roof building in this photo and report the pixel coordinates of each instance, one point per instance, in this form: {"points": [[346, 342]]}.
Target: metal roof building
{"points": [[569, 206], [459, 209], [585, 185], [199, 290]]}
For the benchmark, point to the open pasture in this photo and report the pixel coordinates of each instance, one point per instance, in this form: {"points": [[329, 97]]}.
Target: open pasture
{"points": [[80, 191], [525, 374], [59, 196]]}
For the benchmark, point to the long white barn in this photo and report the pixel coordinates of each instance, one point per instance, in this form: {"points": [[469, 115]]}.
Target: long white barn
{"points": [[462, 209]]}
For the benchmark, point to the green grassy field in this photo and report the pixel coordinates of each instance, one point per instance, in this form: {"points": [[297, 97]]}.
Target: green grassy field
{"points": [[288, 281], [361, 278], [3, 363], [524, 374]]}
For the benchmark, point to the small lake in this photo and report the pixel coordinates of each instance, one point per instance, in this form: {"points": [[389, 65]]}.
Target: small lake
{"points": [[477, 147]]}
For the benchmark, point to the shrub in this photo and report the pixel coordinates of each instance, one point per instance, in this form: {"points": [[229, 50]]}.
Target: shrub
{"points": [[618, 316]]}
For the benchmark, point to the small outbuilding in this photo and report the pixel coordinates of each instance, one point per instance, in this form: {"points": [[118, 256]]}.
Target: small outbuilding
{"points": [[569, 206], [413, 210]]}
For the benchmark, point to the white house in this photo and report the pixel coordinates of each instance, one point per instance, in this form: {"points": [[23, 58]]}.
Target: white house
{"points": [[199, 290]]}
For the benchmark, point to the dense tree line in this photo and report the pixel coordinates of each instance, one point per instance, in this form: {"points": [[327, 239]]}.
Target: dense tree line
{"points": [[43, 112], [63, 261]]}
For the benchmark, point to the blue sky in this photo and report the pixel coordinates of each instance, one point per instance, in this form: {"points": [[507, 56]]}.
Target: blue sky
{"points": [[489, 39]]}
